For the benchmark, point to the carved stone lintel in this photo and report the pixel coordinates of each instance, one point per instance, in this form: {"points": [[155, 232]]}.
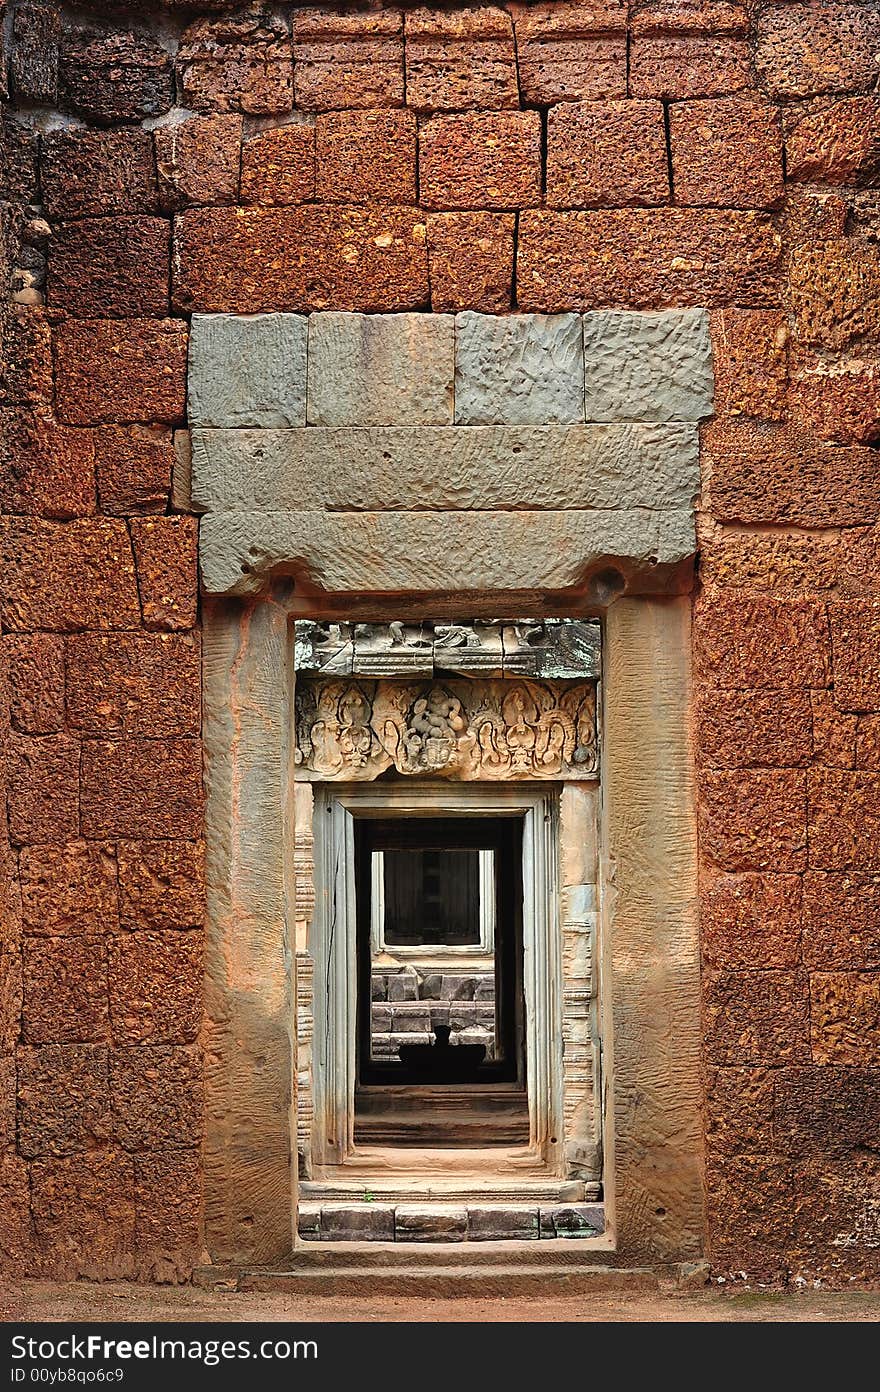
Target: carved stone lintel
{"points": [[354, 730]]}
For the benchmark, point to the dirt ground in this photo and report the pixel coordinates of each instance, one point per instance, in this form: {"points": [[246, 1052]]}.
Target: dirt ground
{"points": [[81, 1301]]}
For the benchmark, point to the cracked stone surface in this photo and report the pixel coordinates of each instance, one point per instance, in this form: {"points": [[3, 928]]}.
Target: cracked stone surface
{"points": [[248, 370], [524, 369], [647, 367], [381, 369]]}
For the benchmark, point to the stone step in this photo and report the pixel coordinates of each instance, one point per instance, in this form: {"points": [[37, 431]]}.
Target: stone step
{"points": [[447, 1222], [464, 1189], [454, 1278]]}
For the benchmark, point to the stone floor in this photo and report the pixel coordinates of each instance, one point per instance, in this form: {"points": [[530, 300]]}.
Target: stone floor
{"points": [[436, 1222]]}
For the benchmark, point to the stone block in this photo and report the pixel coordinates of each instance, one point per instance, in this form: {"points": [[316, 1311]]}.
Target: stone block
{"points": [[155, 987], [855, 642], [65, 991], [751, 1216], [471, 261], [167, 570], [248, 370], [111, 75], [167, 1196], [430, 1223], [46, 470], [571, 52], [757, 1017], [68, 891], [134, 684], [84, 1217], [366, 157], [161, 884], [841, 921], [63, 1100], [835, 735], [198, 161], [574, 1220], [460, 59], [156, 1095], [121, 371], [181, 473], [11, 999], [845, 1017], [763, 642], [403, 986], [681, 66], [751, 922], [381, 369], [278, 165], [647, 366], [142, 788], [526, 370], [786, 563], [365, 1222], [484, 160], [365, 258], [68, 576], [839, 144], [42, 788], [92, 173], [134, 469], [805, 50], [838, 400], [820, 1113], [834, 292], [35, 673], [754, 819], [727, 153], [611, 153], [739, 1111], [348, 59], [502, 1223], [33, 68], [27, 378], [241, 62], [110, 267], [642, 256], [750, 353], [742, 729], [844, 820]]}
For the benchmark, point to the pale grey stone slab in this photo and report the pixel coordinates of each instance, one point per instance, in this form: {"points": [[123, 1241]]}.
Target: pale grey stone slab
{"points": [[248, 370], [647, 366], [482, 467], [381, 369], [509, 553], [522, 369]]}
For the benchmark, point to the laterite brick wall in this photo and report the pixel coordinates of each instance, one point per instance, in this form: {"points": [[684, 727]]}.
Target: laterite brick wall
{"points": [[164, 160]]}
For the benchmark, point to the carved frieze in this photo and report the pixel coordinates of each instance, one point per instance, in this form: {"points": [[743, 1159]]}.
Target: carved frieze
{"points": [[350, 729]]}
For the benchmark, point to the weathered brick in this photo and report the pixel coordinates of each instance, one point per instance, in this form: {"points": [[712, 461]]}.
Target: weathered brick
{"points": [[739, 1111], [786, 563], [460, 59], [63, 1099], [690, 50], [316, 257], [751, 922], [156, 1095], [43, 788], [240, 62], [867, 740], [111, 267], [757, 1017], [611, 152], [134, 468], [819, 1113], [741, 729], [726, 153], [26, 370], [165, 552], [84, 1217], [813, 216], [161, 884], [35, 672], [46, 470], [18, 160], [155, 985], [845, 1017], [67, 576], [782, 474], [121, 370], [839, 144], [750, 1218], [750, 353], [488, 159], [134, 684], [88, 173], [834, 734], [855, 644], [839, 400], [754, 819], [471, 261], [278, 166], [841, 921], [643, 257], [16, 1231], [198, 160], [366, 156], [111, 75], [834, 291], [11, 998], [748, 640], [65, 991], [844, 820], [352, 59], [168, 1191], [826, 46], [69, 891], [142, 788], [572, 52], [33, 69]]}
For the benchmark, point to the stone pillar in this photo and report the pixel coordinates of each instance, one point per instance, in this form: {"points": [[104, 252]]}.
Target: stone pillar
{"points": [[250, 1180], [649, 931]]}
